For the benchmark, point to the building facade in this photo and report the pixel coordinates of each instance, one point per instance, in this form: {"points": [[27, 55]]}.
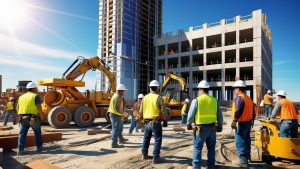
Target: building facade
{"points": [[222, 52], [126, 32]]}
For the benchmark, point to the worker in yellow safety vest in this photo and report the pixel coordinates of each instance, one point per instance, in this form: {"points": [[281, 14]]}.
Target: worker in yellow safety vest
{"points": [[151, 110], [268, 103], [288, 116], [10, 111], [116, 115], [184, 111], [29, 110], [243, 114], [206, 114]]}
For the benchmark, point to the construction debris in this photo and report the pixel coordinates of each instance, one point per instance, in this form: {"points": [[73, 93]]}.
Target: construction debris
{"points": [[97, 131], [38, 164], [11, 141], [3, 128]]}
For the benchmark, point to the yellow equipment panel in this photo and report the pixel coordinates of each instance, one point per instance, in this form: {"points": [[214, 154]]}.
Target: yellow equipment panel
{"points": [[56, 82]]}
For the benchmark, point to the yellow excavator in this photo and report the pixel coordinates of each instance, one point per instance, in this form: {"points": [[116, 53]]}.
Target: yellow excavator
{"points": [[65, 103], [174, 99]]}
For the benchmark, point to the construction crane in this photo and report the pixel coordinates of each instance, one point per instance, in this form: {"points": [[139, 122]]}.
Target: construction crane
{"points": [[66, 103], [174, 99]]}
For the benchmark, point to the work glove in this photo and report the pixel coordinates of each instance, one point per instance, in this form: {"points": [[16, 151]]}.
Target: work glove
{"points": [[233, 125], [165, 123], [189, 127], [219, 128]]}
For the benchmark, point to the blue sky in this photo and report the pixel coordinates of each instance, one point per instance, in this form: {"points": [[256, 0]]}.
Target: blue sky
{"points": [[49, 35]]}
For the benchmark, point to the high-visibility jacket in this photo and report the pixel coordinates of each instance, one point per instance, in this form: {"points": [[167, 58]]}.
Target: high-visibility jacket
{"points": [[136, 109], [184, 109], [111, 105], [288, 110], [207, 110], [268, 100], [10, 106], [150, 107], [247, 114], [26, 104]]}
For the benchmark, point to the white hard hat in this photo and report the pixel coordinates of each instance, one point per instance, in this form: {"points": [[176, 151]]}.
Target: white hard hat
{"points": [[239, 83], [187, 100], [31, 85], [154, 83], [11, 98], [203, 84], [281, 93], [121, 87], [140, 96], [269, 91]]}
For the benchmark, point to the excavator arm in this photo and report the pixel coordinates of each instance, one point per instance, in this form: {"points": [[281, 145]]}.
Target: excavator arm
{"points": [[173, 76], [93, 64]]}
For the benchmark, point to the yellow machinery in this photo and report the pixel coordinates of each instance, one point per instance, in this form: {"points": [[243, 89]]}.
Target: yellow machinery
{"points": [[273, 146], [174, 99], [65, 103]]}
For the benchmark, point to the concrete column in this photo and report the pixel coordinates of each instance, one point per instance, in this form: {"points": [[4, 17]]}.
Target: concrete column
{"points": [[223, 60], [204, 51], [237, 23]]}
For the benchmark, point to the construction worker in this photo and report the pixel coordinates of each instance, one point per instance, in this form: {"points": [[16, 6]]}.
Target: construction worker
{"points": [[136, 115], [288, 115], [243, 114], [10, 111], [268, 102], [206, 114], [184, 111], [116, 114], [29, 110], [151, 110]]}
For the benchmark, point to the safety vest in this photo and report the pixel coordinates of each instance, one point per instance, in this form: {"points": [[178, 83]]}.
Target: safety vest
{"points": [[207, 110], [288, 110], [26, 104], [150, 107], [248, 109], [136, 109], [184, 108], [111, 107], [268, 100], [10, 106]]}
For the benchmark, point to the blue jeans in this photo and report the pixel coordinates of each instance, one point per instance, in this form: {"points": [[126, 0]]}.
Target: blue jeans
{"points": [[289, 129], [268, 110], [156, 129], [183, 119], [117, 128], [10, 113], [24, 126], [133, 125], [207, 135], [243, 141]]}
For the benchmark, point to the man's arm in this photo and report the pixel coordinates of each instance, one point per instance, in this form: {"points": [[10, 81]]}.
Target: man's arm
{"points": [[276, 109], [161, 106], [239, 104], [38, 103], [219, 116], [116, 105], [192, 112]]}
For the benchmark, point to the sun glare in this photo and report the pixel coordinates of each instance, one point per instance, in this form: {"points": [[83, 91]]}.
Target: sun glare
{"points": [[12, 12]]}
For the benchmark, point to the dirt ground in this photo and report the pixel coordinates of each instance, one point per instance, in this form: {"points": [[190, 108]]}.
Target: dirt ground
{"points": [[176, 150]]}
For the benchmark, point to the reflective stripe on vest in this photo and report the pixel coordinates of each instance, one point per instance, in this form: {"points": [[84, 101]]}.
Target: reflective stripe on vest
{"points": [[267, 100], [10, 106], [248, 109], [288, 110], [111, 107], [183, 110], [207, 110], [150, 107], [26, 104]]}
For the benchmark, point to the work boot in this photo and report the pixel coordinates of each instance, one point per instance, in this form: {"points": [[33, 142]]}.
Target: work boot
{"points": [[39, 149], [20, 152], [136, 131], [157, 160], [238, 163], [117, 146], [146, 157], [122, 140]]}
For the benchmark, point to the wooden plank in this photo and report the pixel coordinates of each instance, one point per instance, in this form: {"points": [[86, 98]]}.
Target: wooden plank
{"points": [[10, 142], [3, 128], [97, 131], [1, 157], [38, 164]]}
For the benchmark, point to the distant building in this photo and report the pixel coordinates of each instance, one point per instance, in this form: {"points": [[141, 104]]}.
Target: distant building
{"points": [[126, 32], [222, 52]]}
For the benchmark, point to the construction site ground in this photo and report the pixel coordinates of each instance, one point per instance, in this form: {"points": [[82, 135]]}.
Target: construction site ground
{"points": [[79, 150]]}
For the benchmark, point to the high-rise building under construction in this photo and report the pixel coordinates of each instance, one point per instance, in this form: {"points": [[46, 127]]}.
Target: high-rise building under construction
{"points": [[126, 32]]}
